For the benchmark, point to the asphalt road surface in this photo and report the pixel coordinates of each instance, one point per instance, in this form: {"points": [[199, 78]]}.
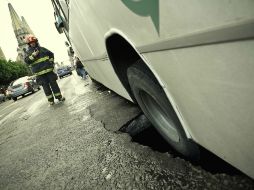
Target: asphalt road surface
{"points": [[82, 144]]}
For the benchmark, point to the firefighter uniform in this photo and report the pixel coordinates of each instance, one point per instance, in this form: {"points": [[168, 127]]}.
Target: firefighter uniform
{"points": [[42, 66]]}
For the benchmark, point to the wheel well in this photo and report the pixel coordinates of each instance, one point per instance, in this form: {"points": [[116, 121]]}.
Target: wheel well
{"points": [[122, 55]]}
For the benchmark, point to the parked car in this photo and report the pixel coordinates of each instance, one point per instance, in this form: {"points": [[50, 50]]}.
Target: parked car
{"points": [[8, 93], [63, 71], [2, 98], [22, 86]]}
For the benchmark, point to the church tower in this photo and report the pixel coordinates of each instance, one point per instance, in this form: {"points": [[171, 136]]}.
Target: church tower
{"points": [[21, 29], [26, 25], [2, 56]]}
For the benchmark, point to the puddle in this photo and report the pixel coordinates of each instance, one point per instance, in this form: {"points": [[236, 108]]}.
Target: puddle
{"points": [[34, 108]]}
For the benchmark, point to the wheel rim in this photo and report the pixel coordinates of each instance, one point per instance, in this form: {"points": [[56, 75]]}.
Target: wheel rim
{"points": [[164, 122]]}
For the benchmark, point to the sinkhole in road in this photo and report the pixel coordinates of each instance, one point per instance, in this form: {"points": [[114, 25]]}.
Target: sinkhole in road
{"points": [[142, 132]]}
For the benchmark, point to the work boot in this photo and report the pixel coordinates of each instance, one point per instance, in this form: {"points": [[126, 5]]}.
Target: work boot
{"points": [[51, 103], [61, 99]]}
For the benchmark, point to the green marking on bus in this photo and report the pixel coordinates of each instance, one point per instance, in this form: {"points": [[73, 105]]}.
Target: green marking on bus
{"points": [[145, 8]]}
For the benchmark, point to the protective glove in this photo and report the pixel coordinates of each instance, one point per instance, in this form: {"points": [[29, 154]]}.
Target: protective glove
{"points": [[35, 53]]}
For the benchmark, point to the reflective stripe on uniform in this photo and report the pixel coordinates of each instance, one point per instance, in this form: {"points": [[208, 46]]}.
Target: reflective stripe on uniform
{"points": [[31, 57], [51, 59], [44, 72], [50, 96], [41, 60], [57, 94]]}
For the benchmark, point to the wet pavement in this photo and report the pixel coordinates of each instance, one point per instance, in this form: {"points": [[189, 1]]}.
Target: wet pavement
{"points": [[83, 144]]}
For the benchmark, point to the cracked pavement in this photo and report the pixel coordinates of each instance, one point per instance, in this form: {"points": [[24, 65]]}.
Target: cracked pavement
{"points": [[77, 145]]}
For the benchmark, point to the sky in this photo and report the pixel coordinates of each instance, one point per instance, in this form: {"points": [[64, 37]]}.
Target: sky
{"points": [[39, 15]]}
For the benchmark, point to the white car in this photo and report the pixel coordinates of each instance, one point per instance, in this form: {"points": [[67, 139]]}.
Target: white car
{"points": [[22, 86], [2, 98]]}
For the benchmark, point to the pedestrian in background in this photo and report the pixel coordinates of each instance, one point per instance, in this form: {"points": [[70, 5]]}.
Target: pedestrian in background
{"points": [[41, 61], [70, 53], [80, 68]]}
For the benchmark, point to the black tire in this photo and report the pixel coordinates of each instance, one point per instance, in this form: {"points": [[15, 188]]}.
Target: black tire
{"points": [[154, 103], [14, 99]]}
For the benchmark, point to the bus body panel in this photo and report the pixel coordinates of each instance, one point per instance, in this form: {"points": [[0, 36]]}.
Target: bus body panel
{"points": [[210, 86], [175, 18], [214, 96]]}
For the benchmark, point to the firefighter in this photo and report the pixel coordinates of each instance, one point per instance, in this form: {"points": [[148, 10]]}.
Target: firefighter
{"points": [[41, 62]]}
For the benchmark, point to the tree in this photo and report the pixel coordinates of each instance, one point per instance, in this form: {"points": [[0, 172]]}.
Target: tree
{"points": [[11, 70]]}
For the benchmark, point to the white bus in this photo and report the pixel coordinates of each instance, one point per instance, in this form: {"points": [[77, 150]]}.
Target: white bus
{"points": [[189, 65]]}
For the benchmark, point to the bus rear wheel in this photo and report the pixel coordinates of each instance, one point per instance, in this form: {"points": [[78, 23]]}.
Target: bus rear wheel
{"points": [[154, 103]]}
